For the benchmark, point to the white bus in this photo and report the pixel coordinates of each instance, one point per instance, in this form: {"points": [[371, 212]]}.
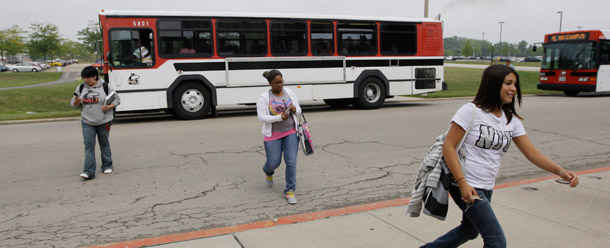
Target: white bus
{"points": [[193, 61]]}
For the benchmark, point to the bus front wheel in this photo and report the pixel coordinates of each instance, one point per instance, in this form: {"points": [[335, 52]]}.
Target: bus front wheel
{"points": [[371, 94], [191, 101], [570, 92]]}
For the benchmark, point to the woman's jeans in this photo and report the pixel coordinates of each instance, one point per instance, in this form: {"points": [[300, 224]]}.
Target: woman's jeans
{"points": [[89, 133], [477, 218], [290, 146]]}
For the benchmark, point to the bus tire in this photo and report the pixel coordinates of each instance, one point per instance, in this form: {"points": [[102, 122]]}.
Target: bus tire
{"points": [[371, 93], [191, 100], [571, 92], [339, 103]]}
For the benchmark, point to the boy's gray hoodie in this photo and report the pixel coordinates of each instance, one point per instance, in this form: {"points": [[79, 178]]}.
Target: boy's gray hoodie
{"points": [[93, 98]]}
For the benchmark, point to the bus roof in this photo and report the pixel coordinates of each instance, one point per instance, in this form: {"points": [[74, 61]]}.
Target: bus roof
{"points": [[150, 13]]}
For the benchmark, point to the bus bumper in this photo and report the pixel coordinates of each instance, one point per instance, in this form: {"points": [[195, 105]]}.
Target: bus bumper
{"points": [[567, 87]]}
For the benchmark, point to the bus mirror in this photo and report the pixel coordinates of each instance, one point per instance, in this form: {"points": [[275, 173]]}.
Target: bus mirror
{"points": [[98, 46], [605, 59], [534, 48]]}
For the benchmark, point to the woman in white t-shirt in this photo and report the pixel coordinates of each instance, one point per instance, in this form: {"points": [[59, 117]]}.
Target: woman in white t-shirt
{"points": [[497, 124]]}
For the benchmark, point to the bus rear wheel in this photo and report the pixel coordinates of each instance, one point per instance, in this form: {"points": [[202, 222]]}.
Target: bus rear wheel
{"points": [[339, 103], [191, 101], [371, 94], [570, 92]]}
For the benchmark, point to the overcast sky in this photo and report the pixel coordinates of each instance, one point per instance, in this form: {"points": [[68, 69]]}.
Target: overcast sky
{"points": [[524, 19]]}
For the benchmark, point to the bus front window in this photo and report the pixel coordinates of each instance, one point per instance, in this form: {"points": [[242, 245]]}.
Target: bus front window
{"points": [[131, 48], [569, 56]]}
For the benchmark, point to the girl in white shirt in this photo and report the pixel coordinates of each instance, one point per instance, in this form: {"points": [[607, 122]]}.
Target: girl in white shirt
{"points": [[496, 126]]}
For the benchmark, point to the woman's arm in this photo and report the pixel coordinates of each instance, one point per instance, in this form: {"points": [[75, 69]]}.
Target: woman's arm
{"points": [[454, 136], [261, 112], [532, 154]]}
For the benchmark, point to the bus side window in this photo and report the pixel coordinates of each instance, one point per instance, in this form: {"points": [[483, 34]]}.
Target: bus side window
{"points": [[605, 52]]}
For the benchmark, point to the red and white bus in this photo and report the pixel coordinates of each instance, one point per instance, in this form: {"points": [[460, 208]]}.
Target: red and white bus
{"points": [[576, 61], [194, 61]]}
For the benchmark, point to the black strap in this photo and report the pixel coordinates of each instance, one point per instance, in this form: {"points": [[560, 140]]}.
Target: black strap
{"points": [[82, 86]]}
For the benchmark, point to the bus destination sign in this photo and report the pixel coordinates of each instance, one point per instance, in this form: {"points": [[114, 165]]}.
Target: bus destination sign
{"points": [[568, 37]]}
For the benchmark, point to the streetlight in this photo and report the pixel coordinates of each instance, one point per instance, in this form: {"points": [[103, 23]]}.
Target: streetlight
{"points": [[502, 22], [483, 43], [579, 27], [426, 9], [560, 19]]}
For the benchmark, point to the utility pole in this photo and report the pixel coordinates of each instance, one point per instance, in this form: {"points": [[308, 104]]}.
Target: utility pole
{"points": [[483, 44], [500, 51], [560, 19], [426, 9]]}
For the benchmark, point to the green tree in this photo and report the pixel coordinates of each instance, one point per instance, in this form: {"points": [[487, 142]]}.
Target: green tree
{"points": [[90, 35], [44, 40], [467, 48], [11, 41], [523, 48]]}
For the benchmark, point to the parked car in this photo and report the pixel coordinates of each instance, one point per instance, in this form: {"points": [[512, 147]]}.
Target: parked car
{"points": [[41, 65], [24, 67], [3, 68], [55, 63], [532, 59], [98, 65]]}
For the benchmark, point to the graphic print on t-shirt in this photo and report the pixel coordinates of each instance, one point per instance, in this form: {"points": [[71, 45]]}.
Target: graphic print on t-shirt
{"points": [[276, 106], [490, 138], [91, 97]]}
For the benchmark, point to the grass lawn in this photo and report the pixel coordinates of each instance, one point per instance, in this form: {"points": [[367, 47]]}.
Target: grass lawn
{"points": [[465, 82], [528, 64], [12, 79], [39, 102]]}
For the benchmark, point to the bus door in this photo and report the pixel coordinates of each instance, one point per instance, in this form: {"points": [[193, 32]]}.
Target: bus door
{"points": [[603, 75]]}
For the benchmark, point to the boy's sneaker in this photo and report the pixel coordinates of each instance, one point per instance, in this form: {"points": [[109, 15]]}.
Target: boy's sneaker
{"points": [[290, 197], [85, 175], [269, 180], [108, 171]]}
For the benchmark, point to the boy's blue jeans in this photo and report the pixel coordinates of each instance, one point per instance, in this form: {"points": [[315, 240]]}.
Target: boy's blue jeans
{"points": [[102, 133]]}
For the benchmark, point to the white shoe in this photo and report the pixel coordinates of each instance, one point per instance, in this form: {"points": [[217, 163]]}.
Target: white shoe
{"points": [[84, 175], [107, 171]]}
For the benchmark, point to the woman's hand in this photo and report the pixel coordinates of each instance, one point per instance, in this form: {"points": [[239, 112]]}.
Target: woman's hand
{"points": [[569, 176], [293, 109], [468, 192], [285, 115]]}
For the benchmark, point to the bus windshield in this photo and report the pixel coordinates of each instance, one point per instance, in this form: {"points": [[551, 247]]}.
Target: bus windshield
{"points": [[569, 56]]}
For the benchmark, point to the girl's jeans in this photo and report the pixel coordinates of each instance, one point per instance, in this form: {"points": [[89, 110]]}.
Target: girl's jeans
{"points": [[476, 218], [273, 149], [89, 133]]}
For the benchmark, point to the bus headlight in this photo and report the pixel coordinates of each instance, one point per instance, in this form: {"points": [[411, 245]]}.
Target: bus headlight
{"points": [[583, 79], [544, 78]]}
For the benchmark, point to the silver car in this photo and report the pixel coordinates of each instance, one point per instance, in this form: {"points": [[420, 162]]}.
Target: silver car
{"points": [[24, 67]]}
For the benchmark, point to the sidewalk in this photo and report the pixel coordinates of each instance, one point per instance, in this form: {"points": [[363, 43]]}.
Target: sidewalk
{"points": [[534, 213]]}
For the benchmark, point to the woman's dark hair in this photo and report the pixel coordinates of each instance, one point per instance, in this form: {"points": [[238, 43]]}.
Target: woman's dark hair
{"points": [[89, 71], [271, 74], [489, 91]]}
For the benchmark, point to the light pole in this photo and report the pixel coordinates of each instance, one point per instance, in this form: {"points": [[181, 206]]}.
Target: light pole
{"points": [[426, 9], [483, 44], [500, 50], [560, 19], [579, 27]]}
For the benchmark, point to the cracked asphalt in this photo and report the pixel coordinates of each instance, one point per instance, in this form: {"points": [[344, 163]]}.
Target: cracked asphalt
{"points": [[177, 176]]}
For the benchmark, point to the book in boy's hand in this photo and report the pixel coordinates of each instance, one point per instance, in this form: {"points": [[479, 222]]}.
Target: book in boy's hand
{"points": [[110, 98]]}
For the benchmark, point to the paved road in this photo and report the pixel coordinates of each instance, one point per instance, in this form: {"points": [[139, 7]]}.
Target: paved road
{"points": [[176, 176]]}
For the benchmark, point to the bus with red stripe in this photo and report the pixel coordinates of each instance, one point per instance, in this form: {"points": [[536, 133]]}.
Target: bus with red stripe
{"points": [[191, 62], [576, 61]]}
